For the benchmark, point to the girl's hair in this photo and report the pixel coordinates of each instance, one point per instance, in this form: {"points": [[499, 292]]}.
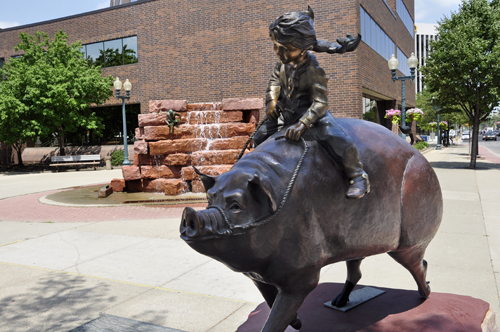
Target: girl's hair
{"points": [[296, 28]]}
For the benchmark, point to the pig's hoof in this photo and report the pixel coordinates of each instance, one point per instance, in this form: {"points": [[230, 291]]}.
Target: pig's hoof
{"points": [[340, 301], [296, 323]]}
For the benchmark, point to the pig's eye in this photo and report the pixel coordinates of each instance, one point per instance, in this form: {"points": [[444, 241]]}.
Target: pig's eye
{"points": [[235, 207]]}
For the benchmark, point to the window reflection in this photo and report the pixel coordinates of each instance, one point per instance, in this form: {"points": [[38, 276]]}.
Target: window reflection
{"points": [[375, 37], [94, 54], [130, 50], [112, 53]]}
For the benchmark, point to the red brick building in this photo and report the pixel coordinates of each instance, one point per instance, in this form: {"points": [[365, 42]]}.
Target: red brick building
{"points": [[204, 51]]}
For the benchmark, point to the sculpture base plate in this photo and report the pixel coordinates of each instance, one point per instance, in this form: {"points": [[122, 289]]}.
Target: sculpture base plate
{"points": [[120, 324], [357, 297], [397, 310]]}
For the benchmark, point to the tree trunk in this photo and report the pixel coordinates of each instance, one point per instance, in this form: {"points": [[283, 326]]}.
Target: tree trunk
{"points": [[19, 151], [60, 137], [475, 139]]}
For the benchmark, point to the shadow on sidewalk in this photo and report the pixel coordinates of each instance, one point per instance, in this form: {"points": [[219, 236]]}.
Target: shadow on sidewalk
{"points": [[58, 302], [463, 165]]}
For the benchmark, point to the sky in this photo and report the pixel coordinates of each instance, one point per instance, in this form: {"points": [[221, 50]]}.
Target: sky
{"points": [[21, 12]]}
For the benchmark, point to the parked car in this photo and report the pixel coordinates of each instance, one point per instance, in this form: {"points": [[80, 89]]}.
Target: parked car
{"points": [[489, 135], [497, 132], [465, 135]]}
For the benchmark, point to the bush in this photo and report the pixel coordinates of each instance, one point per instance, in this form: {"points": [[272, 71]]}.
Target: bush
{"points": [[117, 158], [421, 145]]}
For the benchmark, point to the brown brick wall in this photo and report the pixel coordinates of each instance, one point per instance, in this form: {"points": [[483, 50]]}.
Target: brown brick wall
{"points": [[205, 51]]}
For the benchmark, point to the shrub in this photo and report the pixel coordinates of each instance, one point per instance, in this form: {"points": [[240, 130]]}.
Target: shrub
{"points": [[117, 158], [421, 145]]}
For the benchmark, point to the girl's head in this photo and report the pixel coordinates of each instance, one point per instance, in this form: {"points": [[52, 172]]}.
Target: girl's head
{"points": [[294, 28]]}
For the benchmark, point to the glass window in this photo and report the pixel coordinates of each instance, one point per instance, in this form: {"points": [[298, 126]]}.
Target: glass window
{"points": [[2, 61], [130, 50], [95, 54], [403, 63], [113, 53], [375, 37], [405, 16]]}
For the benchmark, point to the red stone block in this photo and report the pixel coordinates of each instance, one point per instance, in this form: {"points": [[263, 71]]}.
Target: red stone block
{"points": [[133, 186], [207, 117], [144, 159], [197, 186], [156, 106], [131, 173], [171, 187], [177, 146], [178, 159], [162, 171], [240, 104], [240, 129], [154, 133], [136, 159], [118, 185], [228, 143], [188, 173], [139, 133], [204, 107], [212, 157], [140, 147], [152, 119]]}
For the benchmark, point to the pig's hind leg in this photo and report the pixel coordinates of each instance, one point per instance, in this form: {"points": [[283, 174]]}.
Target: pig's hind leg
{"points": [[269, 292], [353, 276], [413, 260]]}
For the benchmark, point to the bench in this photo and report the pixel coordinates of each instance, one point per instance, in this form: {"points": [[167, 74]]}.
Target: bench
{"points": [[88, 159]]}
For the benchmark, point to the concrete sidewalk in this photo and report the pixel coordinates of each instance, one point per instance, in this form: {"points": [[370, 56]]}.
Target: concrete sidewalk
{"points": [[56, 276]]}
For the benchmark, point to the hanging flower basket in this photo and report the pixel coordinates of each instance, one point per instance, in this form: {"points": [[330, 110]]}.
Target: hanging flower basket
{"points": [[433, 125], [393, 115], [414, 114], [443, 125]]}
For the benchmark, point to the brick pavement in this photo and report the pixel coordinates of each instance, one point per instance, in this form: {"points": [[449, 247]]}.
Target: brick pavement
{"points": [[486, 154], [27, 208]]}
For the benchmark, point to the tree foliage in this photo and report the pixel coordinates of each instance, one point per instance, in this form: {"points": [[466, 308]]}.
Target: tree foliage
{"points": [[463, 68], [451, 114], [46, 92]]}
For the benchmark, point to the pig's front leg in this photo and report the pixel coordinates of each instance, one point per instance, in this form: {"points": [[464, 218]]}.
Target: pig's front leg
{"points": [[284, 311]]}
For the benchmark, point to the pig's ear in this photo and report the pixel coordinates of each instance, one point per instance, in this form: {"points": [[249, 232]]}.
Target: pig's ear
{"points": [[208, 181], [262, 188]]}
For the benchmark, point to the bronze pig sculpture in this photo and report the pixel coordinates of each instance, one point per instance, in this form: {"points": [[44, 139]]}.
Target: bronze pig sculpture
{"points": [[279, 225]]}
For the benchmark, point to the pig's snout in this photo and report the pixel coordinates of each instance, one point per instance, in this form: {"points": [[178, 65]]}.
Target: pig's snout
{"points": [[190, 225], [203, 224]]}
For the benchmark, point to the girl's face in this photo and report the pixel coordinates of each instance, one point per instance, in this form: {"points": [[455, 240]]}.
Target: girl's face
{"points": [[287, 53]]}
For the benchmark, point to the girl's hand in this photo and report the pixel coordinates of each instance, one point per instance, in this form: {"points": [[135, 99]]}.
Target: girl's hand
{"points": [[272, 112], [295, 132]]}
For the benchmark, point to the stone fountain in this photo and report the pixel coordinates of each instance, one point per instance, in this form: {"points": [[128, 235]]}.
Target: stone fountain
{"points": [[210, 136]]}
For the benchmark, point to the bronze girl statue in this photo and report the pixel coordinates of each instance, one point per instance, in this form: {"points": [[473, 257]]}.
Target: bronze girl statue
{"points": [[298, 92]]}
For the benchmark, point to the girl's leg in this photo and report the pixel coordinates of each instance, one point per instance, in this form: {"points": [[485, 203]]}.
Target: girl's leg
{"points": [[342, 149]]}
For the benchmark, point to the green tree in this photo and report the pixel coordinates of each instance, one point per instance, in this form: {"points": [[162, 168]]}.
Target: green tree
{"points": [[46, 92], [463, 69], [452, 114]]}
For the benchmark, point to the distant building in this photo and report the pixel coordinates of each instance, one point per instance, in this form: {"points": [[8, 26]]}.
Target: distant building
{"points": [[425, 33]]}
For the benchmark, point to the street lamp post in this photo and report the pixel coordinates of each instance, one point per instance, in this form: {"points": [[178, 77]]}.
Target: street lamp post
{"points": [[437, 108], [393, 65], [127, 86]]}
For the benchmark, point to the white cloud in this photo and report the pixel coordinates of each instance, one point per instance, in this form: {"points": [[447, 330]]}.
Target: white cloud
{"points": [[4, 25], [104, 4]]}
